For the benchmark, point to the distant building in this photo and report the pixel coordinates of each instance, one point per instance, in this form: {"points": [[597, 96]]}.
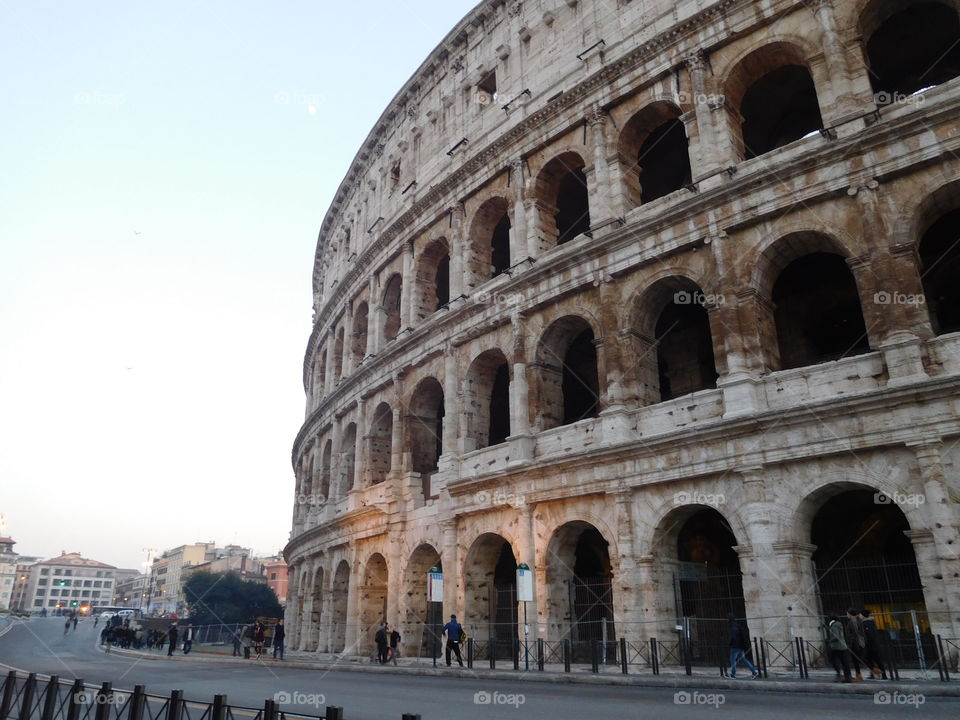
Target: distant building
{"points": [[165, 586], [22, 581], [275, 568], [8, 572], [130, 591], [233, 558], [68, 582]]}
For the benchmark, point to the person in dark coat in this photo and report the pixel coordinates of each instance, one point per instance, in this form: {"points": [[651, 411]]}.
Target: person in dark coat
{"points": [[871, 646], [246, 638], [839, 655], [188, 639], [279, 633], [454, 632], [259, 633], [738, 647], [382, 639], [854, 638], [172, 640], [394, 645]]}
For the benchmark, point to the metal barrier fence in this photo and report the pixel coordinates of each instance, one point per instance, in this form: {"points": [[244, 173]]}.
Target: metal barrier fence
{"points": [[28, 697]]}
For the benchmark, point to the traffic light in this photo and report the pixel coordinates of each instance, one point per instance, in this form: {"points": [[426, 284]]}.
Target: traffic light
{"points": [[63, 583], [74, 603]]}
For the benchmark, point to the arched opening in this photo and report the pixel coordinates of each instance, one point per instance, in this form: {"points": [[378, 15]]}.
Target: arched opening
{"points": [[321, 375], [338, 356], [940, 268], [580, 589], [381, 443], [864, 560], [422, 620], [773, 99], [391, 307], [348, 459], [425, 430], [490, 240], [911, 46], [373, 601], [490, 589], [486, 401], [325, 469], [433, 279], [359, 339], [564, 201], [817, 311], [338, 608], [568, 378], [656, 141], [316, 613]]}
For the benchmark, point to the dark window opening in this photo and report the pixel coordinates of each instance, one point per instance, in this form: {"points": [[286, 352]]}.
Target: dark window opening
{"points": [[940, 264], [779, 108], [916, 48], [664, 161], [500, 407], [709, 577], [685, 359], [817, 312], [573, 207], [488, 88], [580, 385], [443, 282], [500, 247]]}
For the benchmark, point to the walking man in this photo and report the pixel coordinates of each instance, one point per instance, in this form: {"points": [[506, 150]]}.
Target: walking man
{"points": [[172, 639], [454, 631], [188, 639], [381, 639], [279, 633], [855, 641], [738, 648], [839, 655], [394, 645], [871, 646]]}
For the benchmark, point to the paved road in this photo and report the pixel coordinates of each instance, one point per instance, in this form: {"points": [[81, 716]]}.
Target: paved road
{"points": [[40, 645]]}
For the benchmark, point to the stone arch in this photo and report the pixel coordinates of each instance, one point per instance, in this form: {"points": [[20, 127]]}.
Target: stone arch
{"points": [[325, 469], [380, 452], [909, 45], [654, 153], [373, 600], [489, 236], [358, 341], [562, 199], [316, 611], [490, 590], [419, 621], [390, 306], [348, 460], [424, 424], [338, 347], [339, 592], [486, 401], [567, 387], [672, 340], [432, 279], [771, 97], [938, 226]]}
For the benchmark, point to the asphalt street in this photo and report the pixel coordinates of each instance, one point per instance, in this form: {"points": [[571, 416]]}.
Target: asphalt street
{"points": [[40, 645]]}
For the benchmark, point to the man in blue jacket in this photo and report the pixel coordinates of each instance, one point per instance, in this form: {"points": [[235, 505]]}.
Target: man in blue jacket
{"points": [[454, 632]]}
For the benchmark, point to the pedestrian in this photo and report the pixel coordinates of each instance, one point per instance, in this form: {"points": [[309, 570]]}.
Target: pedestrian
{"points": [[279, 633], [246, 637], [839, 655], [172, 640], [738, 647], [258, 635], [74, 620], [394, 645], [853, 635], [871, 646], [66, 626], [454, 631], [188, 639], [96, 621], [381, 639], [237, 641]]}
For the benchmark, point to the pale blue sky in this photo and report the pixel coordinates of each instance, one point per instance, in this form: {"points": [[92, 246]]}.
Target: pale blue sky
{"points": [[165, 170]]}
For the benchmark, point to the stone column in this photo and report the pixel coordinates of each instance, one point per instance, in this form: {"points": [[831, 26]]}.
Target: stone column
{"points": [[627, 583], [335, 461], [461, 252], [521, 438], [526, 553], [602, 197], [330, 381], [394, 578], [533, 209], [453, 601], [353, 604], [360, 451], [707, 153], [348, 329], [396, 441], [374, 323], [844, 102], [451, 400], [409, 287], [518, 231]]}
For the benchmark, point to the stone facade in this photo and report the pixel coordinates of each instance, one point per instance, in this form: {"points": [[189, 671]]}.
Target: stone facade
{"points": [[641, 293]]}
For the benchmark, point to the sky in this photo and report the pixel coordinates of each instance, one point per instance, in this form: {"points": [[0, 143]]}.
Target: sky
{"points": [[166, 167]]}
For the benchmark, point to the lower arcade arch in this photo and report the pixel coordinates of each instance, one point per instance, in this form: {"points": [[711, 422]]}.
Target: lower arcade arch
{"points": [[420, 620], [338, 608], [316, 613], [373, 601], [490, 590]]}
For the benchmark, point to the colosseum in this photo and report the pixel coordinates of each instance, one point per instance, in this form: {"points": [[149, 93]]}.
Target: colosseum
{"points": [[655, 298]]}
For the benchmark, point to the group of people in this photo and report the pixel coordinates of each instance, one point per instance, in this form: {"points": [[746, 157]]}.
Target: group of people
{"points": [[855, 643], [388, 644], [253, 636]]}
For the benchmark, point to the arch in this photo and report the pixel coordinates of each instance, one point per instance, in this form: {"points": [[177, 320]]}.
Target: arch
{"points": [[316, 612], [490, 591], [773, 98], [380, 453], [358, 342], [390, 306], [339, 592], [348, 459], [325, 469], [490, 240], [909, 46], [421, 620], [433, 278], [373, 600], [939, 251], [486, 401], [563, 199], [425, 420], [338, 344], [567, 382], [579, 575], [654, 153], [320, 386]]}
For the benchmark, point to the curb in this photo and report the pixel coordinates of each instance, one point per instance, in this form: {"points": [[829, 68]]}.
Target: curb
{"points": [[928, 688]]}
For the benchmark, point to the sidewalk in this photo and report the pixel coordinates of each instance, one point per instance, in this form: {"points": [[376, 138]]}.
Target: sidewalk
{"points": [[703, 678]]}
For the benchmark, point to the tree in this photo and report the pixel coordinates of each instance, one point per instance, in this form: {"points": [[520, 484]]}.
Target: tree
{"points": [[215, 598]]}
